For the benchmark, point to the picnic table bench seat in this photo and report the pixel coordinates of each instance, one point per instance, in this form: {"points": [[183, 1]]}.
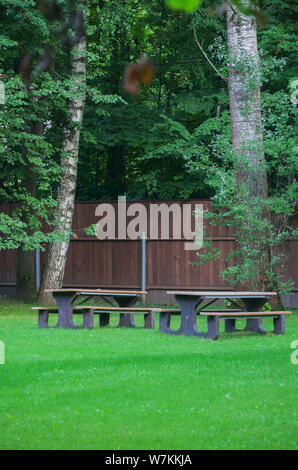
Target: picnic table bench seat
{"points": [[214, 317], [165, 316], [104, 312], [231, 315], [43, 314], [148, 312]]}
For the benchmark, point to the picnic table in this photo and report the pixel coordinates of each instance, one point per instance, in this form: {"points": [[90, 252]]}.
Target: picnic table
{"points": [[65, 299], [191, 306]]}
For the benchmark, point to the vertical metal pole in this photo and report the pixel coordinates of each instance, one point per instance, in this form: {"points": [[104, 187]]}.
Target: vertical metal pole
{"points": [[143, 270], [37, 269]]}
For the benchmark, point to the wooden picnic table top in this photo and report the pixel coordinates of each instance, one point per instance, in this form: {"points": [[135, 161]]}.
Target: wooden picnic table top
{"points": [[215, 294], [96, 291]]}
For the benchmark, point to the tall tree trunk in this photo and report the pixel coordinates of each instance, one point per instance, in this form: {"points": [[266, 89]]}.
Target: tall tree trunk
{"points": [[247, 139], [53, 273]]}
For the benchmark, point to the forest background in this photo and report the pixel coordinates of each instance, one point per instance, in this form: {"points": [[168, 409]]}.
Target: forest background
{"points": [[171, 141]]}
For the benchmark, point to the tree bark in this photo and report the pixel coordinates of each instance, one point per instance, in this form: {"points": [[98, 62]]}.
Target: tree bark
{"points": [[53, 273], [247, 139]]}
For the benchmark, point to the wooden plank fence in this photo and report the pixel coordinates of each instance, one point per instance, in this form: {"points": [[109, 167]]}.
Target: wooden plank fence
{"points": [[117, 263]]}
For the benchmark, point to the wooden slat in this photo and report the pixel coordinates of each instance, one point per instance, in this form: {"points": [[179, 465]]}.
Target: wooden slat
{"points": [[115, 309], [45, 308], [108, 308], [224, 310], [97, 291], [243, 314], [52, 308], [115, 264], [190, 287], [214, 294], [127, 309]]}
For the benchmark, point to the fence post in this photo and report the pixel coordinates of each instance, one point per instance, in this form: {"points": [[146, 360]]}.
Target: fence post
{"points": [[143, 268], [37, 269]]}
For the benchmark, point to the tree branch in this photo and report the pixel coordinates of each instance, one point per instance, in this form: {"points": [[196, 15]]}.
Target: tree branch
{"points": [[204, 53]]}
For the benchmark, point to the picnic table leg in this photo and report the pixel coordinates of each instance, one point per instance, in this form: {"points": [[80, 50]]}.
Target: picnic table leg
{"points": [[149, 320], [188, 327], [43, 318], [65, 301], [126, 319], [254, 324], [104, 319], [88, 318], [164, 322], [279, 325], [213, 327], [230, 325]]}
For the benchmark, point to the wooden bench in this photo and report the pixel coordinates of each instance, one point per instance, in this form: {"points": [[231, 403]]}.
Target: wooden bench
{"points": [[148, 312], [43, 315], [165, 316], [255, 319], [88, 313]]}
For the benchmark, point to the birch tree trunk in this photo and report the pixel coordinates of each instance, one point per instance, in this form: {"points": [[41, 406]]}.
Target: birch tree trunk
{"points": [[247, 140], [57, 251]]}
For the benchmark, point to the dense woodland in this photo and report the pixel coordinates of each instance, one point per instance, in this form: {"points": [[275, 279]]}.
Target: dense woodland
{"points": [[172, 140]]}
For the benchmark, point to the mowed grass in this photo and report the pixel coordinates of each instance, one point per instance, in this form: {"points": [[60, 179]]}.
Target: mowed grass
{"points": [[123, 389]]}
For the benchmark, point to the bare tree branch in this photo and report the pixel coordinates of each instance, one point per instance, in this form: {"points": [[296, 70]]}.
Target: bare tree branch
{"points": [[204, 53]]}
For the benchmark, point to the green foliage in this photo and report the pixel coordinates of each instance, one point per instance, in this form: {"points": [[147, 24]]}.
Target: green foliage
{"points": [[172, 141], [186, 5], [267, 221], [231, 205], [247, 7], [31, 125], [147, 140]]}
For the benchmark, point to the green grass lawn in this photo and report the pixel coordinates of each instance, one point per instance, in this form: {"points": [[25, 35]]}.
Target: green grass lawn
{"points": [[123, 389]]}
